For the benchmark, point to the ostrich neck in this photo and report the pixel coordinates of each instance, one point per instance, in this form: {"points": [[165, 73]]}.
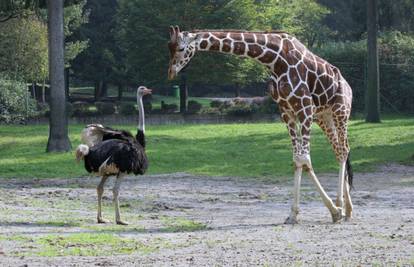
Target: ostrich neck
{"points": [[265, 47], [141, 116]]}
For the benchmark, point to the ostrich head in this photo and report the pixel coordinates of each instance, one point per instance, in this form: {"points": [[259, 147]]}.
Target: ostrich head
{"points": [[142, 90], [182, 46]]}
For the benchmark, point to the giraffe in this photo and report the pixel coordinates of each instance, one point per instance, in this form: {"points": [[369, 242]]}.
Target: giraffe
{"points": [[306, 88]]}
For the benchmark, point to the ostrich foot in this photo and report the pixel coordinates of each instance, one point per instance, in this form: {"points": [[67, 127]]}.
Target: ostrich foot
{"points": [[120, 222], [291, 220], [101, 220], [337, 216]]}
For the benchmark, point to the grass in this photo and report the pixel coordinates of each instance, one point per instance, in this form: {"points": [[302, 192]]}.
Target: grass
{"points": [[247, 150]]}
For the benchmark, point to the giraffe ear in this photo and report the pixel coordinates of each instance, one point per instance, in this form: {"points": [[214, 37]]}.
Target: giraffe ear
{"points": [[173, 35]]}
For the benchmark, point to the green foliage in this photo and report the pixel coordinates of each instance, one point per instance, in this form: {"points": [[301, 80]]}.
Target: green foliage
{"points": [[396, 69], [16, 105], [23, 48], [105, 108], [81, 109], [194, 106], [168, 108], [241, 109], [127, 108]]}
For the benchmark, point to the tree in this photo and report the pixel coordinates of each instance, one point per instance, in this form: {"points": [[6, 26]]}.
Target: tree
{"points": [[372, 95], [58, 123]]}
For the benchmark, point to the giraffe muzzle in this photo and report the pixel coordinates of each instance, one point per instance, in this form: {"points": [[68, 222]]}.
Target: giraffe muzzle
{"points": [[172, 72]]}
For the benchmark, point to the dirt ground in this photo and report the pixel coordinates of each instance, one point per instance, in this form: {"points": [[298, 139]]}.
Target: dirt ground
{"points": [[186, 220]]}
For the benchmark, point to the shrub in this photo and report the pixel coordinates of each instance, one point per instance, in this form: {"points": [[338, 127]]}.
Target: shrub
{"points": [[216, 103], [241, 109], [168, 108], [127, 108], [194, 107], [81, 109], [147, 107], [210, 110], [268, 106], [105, 108], [16, 105]]}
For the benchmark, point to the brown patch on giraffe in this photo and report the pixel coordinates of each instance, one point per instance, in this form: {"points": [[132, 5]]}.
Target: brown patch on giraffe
{"points": [[249, 38], [295, 102], [306, 102], [239, 48], [236, 36], [254, 50], [260, 39], [289, 53], [315, 99], [299, 46], [302, 71], [323, 100], [319, 89], [273, 42], [203, 44], [294, 77], [220, 35], [268, 57], [284, 89], [311, 80], [226, 45], [215, 44], [280, 67], [309, 62]]}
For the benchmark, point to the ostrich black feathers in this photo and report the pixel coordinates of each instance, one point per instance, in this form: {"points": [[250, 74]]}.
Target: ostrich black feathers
{"points": [[123, 156]]}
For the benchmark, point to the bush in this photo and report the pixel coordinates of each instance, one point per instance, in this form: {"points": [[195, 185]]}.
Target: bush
{"points": [[147, 107], [168, 108], [268, 106], [241, 109], [210, 110], [216, 103], [16, 105], [127, 108], [81, 109], [105, 108], [193, 107]]}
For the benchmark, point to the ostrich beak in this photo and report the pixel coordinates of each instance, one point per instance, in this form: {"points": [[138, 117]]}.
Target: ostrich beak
{"points": [[147, 91]]}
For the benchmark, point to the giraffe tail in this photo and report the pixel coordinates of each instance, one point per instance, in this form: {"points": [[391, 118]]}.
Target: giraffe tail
{"points": [[349, 172]]}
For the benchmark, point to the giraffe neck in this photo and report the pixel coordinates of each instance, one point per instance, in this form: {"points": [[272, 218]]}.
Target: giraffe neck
{"points": [[266, 48]]}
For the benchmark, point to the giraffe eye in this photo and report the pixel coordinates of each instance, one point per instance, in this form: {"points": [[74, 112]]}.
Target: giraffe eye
{"points": [[181, 49]]}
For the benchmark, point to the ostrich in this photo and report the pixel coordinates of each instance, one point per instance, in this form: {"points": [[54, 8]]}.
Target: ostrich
{"points": [[114, 152]]}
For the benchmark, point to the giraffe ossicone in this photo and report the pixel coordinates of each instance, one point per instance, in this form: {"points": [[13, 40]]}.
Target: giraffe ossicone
{"points": [[306, 87]]}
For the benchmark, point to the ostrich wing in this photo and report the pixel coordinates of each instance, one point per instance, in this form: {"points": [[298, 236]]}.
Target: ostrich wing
{"points": [[93, 134]]}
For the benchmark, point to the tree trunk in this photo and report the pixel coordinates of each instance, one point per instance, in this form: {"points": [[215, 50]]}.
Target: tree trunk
{"points": [[43, 92], [120, 90], [183, 93], [58, 121], [67, 83], [372, 99], [237, 91]]}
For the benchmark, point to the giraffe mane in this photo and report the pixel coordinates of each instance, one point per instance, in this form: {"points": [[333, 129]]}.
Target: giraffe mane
{"points": [[237, 31]]}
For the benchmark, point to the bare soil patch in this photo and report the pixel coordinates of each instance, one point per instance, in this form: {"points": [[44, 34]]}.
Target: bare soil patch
{"points": [[180, 219]]}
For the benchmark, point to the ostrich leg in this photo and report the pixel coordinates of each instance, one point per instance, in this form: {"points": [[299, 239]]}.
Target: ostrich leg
{"points": [[115, 191], [100, 190]]}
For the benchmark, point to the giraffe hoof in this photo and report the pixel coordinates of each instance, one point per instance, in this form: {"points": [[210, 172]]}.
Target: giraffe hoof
{"points": [[120, 222], [291, 220], [101, 220], [337, 217]]}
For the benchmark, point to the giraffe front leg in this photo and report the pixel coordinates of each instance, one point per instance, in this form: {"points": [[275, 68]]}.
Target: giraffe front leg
{"points": [[116, 200], [292, 219], [100, 190], [340, 191]]}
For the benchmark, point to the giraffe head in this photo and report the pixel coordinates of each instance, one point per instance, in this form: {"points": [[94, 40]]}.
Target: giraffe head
{"points": [[183, 46]]}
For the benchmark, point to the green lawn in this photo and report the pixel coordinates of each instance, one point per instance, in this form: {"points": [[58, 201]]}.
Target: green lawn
{"points": [[251, 150]]}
